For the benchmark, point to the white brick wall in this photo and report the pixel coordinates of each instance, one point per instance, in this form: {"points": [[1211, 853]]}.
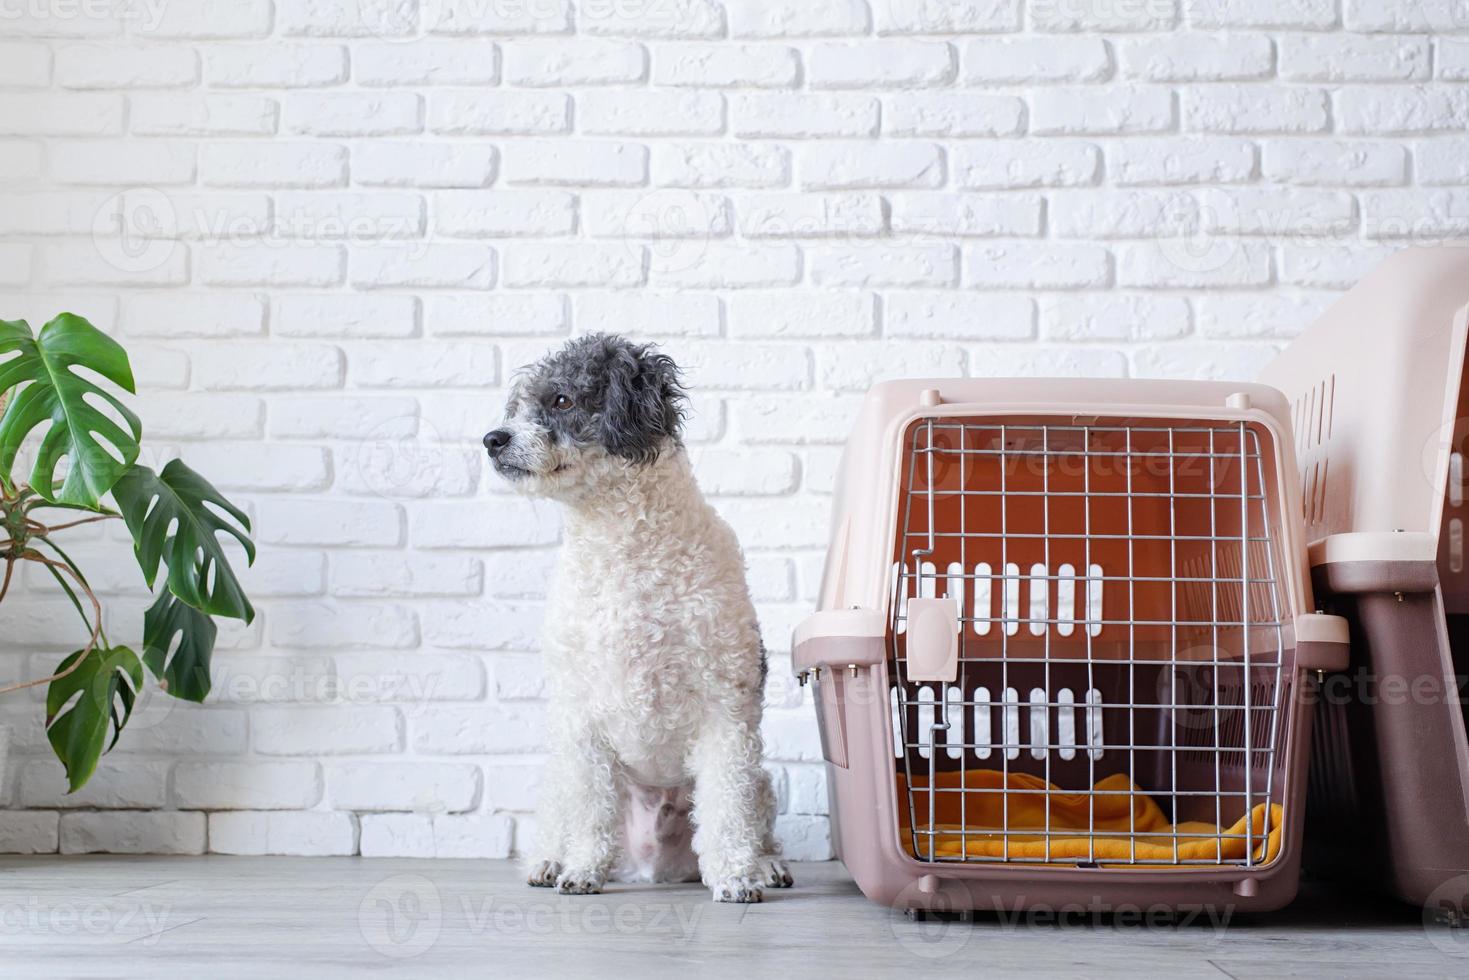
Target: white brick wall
{"points": [[348, 222]]}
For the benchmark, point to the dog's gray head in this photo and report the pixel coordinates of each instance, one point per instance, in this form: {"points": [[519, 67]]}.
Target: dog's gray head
{"points": [[600, 399]]}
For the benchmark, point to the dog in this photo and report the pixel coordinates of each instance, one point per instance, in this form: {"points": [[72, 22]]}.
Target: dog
{"points": [[652, 648]]}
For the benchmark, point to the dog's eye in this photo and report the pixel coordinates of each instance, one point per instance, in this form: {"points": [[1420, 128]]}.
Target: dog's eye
{"points": [[562, 403]]}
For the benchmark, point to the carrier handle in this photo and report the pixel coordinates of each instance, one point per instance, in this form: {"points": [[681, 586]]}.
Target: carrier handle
{"points": [[839, 638], [1322, 642]]}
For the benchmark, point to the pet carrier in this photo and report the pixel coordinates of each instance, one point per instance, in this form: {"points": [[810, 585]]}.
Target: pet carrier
{"points": [[1063, 646], [1382, 420]]}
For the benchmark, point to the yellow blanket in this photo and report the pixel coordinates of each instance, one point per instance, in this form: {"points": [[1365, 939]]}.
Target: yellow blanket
{"points": [[1113, 816]]}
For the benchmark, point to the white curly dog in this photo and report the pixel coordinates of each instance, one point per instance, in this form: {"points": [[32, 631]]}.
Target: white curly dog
{"points": [[652, 649]]}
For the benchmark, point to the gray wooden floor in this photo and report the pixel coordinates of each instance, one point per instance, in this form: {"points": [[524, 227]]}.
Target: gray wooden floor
{"points": [[266, 917]]}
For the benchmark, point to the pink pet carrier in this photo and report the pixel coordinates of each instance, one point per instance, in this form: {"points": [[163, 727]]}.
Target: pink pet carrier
{"points": [[1382, 420], [1065, 649]]}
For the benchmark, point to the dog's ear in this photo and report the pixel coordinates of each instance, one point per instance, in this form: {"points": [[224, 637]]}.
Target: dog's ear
{"points": [[644, 403]]}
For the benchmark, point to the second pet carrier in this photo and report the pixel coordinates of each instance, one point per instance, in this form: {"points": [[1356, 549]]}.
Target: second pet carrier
{"points": [[1065, 644], [1382, 421]]}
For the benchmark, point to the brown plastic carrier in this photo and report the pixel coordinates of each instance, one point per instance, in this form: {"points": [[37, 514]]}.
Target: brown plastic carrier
{"points": [[1380, 410], [1065, 648]]}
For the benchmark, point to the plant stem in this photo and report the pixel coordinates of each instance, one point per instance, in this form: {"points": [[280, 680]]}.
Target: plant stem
{"points": [[96, 629]]}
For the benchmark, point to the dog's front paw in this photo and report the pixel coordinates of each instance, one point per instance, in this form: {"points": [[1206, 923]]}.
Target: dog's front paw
{"points": [[774, 873], [543, 874], [575, 882], [737, 889]]}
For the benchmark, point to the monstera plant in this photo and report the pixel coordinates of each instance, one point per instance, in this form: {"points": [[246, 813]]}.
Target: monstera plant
{"points": [[59, 400]]}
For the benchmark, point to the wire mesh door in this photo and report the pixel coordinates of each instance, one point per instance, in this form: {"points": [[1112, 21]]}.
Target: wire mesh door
{"points": [[1121, 639]]}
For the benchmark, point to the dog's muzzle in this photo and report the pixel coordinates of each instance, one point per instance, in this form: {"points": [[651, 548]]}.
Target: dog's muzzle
{"points": [[496, 442]]}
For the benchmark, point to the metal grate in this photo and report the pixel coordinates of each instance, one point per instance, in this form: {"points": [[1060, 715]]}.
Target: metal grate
{"points": [[1119, 614]]}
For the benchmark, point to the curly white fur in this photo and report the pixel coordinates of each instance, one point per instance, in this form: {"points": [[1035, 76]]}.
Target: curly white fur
{"points": [[656, 670]]}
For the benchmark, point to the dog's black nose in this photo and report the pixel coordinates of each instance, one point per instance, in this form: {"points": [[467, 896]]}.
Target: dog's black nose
{"points": [[496, 441]]}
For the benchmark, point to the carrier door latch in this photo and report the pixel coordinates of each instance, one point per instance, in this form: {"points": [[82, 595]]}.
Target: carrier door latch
{"points": [[933, 640]]}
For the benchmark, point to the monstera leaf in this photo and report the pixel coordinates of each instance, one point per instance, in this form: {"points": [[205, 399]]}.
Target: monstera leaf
{"points": [[183, 670], [49, 391], [82, 706], [170, 519]]}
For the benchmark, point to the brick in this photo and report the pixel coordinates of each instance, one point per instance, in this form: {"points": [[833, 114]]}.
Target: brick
{"points": [[423, 265], [640, 313], [96, 66], [329, 730], [1404, 16], [977, 17], [1350, 58], [663, 217], [468, 17], [442, 787], [1334, 163], [1212, 362], [771, 366], [497, 316], [486, 729], [1435, 214], [797, 114], [305, 834], [30, 832], [196, 415], [948, 314], [117, 784], [1061, 15], [812, 216], [25, 64], [169, 114], [330, 524], [718, 164], [795, 18], [568, 63], [482, 625], [257, 785], [1255, 316], [275, 164], [1192, 264], [1121, 214], [874, 265], [315, 626], [166, 264], [1452, 58], [270, 264], [390, 365], [745, 472], [1199, 58], [1386, 110], [386, 576], [79, 114], [344, 315], [722, 64], [495, 523], [857, 367], [876, 165], [1277, 213], [1181, 160], [353, 114], [1017, 164], [880, 64], [606, 112], [967, 215], [793, 314], [357, 217], [577, 163], [317, 417], [19, 160], [721, 265], [1441, 161], [1028, 266], [1033, 361], [1081, 111], [415, 835], [1033, 60], [132, 832], [1262, 14], [953, 114], [670, 19], [575, 264], [227, 367], [1256, 109], [211, 19], [243, 466], [390, 164], [346, 18], [1331, 265], [302, 576], [1114, 318], [780, 523], [51, 213], [427, 62], [283, 66]]}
